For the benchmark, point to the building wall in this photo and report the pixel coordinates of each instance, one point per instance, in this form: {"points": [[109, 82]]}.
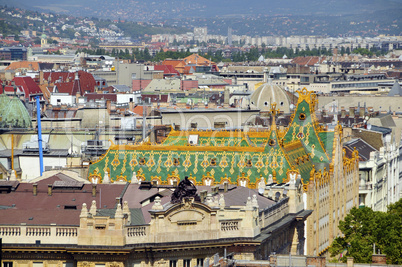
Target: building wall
{"points": [[31, 169], [381, 103], [207, 119], [331, 194], [185, 232], [58, 99]]}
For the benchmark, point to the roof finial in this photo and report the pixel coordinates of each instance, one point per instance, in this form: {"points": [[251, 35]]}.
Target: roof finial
{"points": [[274, 112]]}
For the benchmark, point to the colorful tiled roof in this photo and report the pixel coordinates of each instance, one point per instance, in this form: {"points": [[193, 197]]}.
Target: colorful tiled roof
{"points": [[238, 157], [304, 127]]}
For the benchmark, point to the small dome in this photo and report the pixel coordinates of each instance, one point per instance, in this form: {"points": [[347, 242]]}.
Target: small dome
{"points": [[270, 93], [13, 113]]}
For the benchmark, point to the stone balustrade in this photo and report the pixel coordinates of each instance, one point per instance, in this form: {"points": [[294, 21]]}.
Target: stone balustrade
{"points": [[45, 234]]}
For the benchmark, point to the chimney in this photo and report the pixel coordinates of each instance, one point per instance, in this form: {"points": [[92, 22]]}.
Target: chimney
{"points": [[175, 183], [41, 77], [351, 111], [131, 106], [49, 189], [361, 112], [94, 190], [35, 189], [203, 195], [379, 259], [215, 189], [225, 187], [108, 105], [343, 112], [349, 262]]}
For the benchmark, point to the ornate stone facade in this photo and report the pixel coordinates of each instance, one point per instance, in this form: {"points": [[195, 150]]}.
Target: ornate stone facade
{"points": [[180, 234]]}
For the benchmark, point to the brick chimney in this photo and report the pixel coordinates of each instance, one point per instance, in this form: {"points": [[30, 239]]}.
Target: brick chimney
{"points": [[41, 77], [379, 259]]}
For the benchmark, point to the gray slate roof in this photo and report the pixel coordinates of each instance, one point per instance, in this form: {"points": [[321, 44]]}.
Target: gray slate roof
{"points": [[395, 90]]}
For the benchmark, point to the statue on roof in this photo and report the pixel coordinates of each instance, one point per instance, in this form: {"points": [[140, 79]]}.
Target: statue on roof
{"points": [[185, 189]]}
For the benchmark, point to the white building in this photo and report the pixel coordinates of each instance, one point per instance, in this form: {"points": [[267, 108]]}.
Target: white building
{"points": [[379, 167]]}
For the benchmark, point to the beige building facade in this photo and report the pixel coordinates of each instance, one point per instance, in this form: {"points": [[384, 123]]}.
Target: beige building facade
{"points": [[147, 229]]}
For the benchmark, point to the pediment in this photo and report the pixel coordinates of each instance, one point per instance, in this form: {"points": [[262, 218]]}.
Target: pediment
{"points": [[186, 216]]}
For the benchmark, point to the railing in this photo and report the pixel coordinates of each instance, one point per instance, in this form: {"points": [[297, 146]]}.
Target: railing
{"points": [[366, 187], [230, 226], [66, 231], [45, 234], [38, 231], [10, 231], [136, 231]]}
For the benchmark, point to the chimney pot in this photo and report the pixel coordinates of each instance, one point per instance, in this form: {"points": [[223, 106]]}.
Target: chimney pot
{"points": [[49, 189], [35, 189]]}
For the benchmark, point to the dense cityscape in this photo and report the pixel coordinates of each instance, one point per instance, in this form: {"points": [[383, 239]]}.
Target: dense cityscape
{"points": [[189, 134]]}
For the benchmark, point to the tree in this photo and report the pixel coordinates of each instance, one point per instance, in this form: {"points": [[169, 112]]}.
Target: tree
{"points": [[364, 227], [358, 238]]}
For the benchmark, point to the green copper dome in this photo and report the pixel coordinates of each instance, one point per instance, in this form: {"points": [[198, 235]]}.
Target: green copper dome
{"points": [[13, 113]]}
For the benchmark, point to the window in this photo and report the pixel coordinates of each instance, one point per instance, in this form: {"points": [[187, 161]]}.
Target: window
{"points": [[7, 264], [186, 262], [173, 263]]}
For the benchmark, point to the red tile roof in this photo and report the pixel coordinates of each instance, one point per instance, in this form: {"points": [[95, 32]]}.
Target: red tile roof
{"points": [[94, 96], [167, 70], [86, 82], [21, 205], [27, 84], [308, 61]]}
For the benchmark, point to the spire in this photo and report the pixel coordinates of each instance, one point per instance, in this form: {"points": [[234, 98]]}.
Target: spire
{"points": [[77, 86], [84, 211], [249, 204], [126, 210], [92, 210], [274, 112], [119, 212], [254, 201]]}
